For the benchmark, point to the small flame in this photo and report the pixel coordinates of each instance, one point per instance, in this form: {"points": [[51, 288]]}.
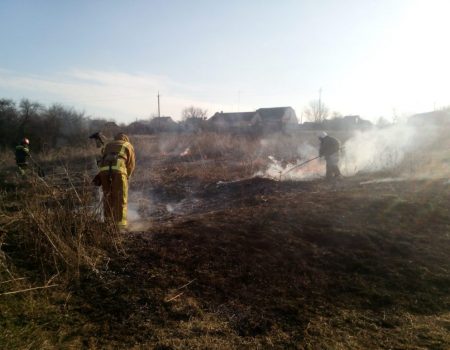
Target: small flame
{"points": [[283, 170], [186, 152]]}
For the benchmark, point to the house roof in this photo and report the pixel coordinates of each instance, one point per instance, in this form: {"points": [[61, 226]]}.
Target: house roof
{"points": [[442, 116], [161, 120], [139, 123], [110, 124], [273, 113], [232, 117]]}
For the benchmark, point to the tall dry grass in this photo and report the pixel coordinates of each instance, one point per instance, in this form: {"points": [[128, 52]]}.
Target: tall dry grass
{"points": [[210, 145], [203, 145], [57, 231], [52, 241]]}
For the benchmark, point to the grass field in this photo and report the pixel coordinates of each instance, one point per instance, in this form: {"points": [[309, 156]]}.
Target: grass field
{"points": [[220, 258]]}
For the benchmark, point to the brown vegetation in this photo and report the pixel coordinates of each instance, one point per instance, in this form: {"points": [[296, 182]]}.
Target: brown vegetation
{"points": [[221, 259]]}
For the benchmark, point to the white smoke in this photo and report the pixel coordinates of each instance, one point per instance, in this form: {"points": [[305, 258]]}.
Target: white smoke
{"points": [[307, 151], [297, 170], [138, 204], [383, 149], [369, 151]]}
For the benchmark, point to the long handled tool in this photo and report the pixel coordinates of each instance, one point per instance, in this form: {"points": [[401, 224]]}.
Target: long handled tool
{"points": [[299, 165]]}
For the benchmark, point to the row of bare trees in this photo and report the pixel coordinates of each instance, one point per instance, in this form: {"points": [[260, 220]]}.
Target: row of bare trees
{"points": [[52, 126]]}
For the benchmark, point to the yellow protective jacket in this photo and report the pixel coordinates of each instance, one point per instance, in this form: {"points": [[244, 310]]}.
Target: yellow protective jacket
{"points": [[118, 156]]}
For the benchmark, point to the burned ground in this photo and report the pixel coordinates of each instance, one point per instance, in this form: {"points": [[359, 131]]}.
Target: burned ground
{"points": [[228, 260], [289, 264]]}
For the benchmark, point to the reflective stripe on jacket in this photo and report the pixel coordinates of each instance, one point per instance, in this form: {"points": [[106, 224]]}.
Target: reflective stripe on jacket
{"points": [[118, 156]]}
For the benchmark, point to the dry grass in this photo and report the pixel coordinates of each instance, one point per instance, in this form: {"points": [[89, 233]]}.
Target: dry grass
{"points": [[7, 159], [249, 264], [51, 240], [58, 228], [193, 146], [67, 153]]}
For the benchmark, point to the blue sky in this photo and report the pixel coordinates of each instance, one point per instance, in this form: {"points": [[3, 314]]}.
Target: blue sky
{"points": [[110, 58]]}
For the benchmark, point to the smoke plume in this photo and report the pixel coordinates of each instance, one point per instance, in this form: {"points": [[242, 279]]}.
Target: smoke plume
{"points": [[401, 148], [380, 149]]}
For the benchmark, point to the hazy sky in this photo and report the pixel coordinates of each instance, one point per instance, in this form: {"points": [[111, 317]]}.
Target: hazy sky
{"points": [[110, 58]]}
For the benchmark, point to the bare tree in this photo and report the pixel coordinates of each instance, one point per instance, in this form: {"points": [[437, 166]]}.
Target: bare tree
{"points": [[316, 111], [194, 113], [9, 121], [29, 109]]}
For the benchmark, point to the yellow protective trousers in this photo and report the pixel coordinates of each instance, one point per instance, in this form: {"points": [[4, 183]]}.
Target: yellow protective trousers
{"points": [[115, 196]]}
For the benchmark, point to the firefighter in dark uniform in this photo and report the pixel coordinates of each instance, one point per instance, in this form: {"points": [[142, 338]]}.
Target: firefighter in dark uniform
{"points": [[22, 156], [329, 149]]}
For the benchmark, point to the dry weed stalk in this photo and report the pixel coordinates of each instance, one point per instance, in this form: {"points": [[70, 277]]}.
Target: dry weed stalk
{"points": [[29, 289], [59, 229]]}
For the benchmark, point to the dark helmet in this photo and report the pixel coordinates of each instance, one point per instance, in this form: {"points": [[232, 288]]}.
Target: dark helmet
{"points": [[98, 136], [25, 141]]}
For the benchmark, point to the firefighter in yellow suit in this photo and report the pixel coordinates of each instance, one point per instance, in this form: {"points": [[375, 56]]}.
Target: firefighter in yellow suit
{"points": [[116, 167]]}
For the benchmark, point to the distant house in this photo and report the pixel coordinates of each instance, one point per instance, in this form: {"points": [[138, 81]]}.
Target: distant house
{"points": [[311, 126], [435, 118], [110, 129], [139, 127], [193, 124], [152, 126], [277, 119], [233, 122], [262, 120], [162, 124], [349, 122]]}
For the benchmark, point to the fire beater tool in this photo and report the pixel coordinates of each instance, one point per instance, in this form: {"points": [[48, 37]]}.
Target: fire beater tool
{"points": [[298, 166]]}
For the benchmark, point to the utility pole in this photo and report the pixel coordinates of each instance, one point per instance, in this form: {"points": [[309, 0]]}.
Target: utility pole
{"points": [[159, 110]]}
